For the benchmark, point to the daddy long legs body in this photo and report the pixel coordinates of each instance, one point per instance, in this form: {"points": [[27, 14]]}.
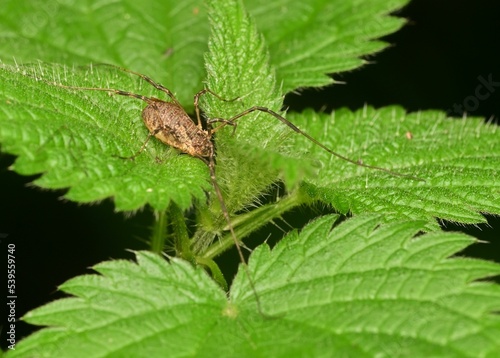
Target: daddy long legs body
{"points": [[169, 122]]}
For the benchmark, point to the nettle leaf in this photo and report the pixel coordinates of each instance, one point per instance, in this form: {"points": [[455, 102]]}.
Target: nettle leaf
{"points": [[361, 289], [75, 138], [165, 40], [309, 39], [457, 162], [238, 68]]}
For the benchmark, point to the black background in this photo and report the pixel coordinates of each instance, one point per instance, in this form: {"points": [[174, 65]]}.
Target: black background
{"points": [[434, 63]]}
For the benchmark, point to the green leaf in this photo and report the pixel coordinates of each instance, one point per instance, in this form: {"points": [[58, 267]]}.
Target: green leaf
{"points": [[165, 40], [75, 138], [361, 289], [238, 67], [458, 162], [153, 297], [309, 39]]}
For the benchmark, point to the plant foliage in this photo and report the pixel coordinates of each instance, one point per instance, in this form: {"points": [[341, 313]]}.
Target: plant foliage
{"points": [[321, 290], [371, 286]]}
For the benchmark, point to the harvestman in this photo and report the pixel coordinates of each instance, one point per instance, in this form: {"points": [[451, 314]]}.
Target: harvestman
{"points": [[169, 122]]}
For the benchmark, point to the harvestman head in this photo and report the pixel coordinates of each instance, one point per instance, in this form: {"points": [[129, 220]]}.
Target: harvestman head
{"points": [[169, 122]]}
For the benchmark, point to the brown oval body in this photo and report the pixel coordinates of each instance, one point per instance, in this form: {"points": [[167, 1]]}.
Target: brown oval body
{"points": [[169, 123]]}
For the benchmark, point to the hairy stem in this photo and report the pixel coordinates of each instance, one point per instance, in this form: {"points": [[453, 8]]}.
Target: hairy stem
{"points": [[182, 242], [247, 223], [215, 270], [159, 233]]}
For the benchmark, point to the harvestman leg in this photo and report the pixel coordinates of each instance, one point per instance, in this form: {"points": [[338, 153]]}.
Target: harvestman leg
{"points": [[148, 100], [232, 121], [156, 85], [169, 93], [210, 121]]}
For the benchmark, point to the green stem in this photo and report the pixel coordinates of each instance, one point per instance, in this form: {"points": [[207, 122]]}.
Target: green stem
{"points": [[215, 270], [180, 232], [247, 223], [159, 234]]}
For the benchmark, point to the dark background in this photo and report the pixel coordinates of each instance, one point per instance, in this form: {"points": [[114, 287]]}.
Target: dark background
{"points": [[434, 63]]}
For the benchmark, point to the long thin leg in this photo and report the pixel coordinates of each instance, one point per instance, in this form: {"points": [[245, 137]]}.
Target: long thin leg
{"points": [[319, 144], [221, 120], [156, 85], [211, 166], [197, 101], [111, 90], [143, 146]]}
